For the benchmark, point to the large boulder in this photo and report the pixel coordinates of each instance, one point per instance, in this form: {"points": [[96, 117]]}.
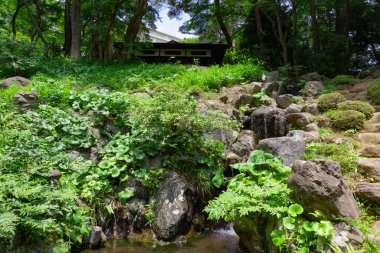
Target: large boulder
{"points": [[314, 88], [255, 233], [272, 89], [313, 76], [16, 79], [283, 101], [174, 203], [370, 151], [268, 122], [318, 185], [368, 192], [299, 120], [271, 76], [25, 100], [289, 149], [244, 144], [293, 108], [344, 234]]}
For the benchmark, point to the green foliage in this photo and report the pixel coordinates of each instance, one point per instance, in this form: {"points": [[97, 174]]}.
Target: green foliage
{"points": [[359, 106], [344, 80], [329, 101], [343, 153], [261, 99], [261, 189], [18, 57], [347, 119], [373, 91]]}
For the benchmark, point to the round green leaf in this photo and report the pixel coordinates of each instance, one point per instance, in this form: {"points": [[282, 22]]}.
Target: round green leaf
{"points": [[289, 222], [278, 238], [295, 210], [115, 172]]}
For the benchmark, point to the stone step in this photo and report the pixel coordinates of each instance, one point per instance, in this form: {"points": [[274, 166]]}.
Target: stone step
{"points": [[370, 151], [360, 87], [375, 118], [377, 108], [372, 127], [373, 138], [370, 167], [368, 192]]}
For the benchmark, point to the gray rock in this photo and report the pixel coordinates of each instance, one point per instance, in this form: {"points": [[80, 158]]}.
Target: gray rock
{"points": [[96, 238], [271, 76], [55, 173], [244, 144], [318, 185], [306, 136], [73, 155], [312, 127], [284, 101], [256, 87], [370, 167], [299, 120], [368, 192], [26, 100], [16, 79], [293, 108], [244, 99], [312, 108], [313, 76], [289, 149], [268, 122], [174, 204], [272, 88], [232, 158], [255, 233], [314, 88], [344, 234]]}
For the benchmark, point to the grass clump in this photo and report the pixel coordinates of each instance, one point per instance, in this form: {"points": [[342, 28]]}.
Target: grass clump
{"points": [[342, 153], [344, 80], [329, 101], [373, 91], [347, 119], [359, 106]]}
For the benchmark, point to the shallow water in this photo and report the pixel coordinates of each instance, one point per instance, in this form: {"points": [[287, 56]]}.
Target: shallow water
{"points": [[219, 241]]}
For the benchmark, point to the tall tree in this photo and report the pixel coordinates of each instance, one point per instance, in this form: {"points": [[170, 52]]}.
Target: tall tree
{"points": [[341, 29], [133, 28], [75, 30], [218, 15], [67, 28], [316, 43]]}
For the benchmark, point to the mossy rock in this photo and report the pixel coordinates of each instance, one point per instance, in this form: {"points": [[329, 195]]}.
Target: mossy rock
{"points": [[329, 101], [373, 91], [344, 80], [347, 119], [359, 106]]}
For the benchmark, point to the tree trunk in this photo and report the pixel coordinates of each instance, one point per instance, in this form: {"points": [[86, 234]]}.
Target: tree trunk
{"points": [[260, 33], [133, 29], [14, 17], [281, 35], [108, 55], [316, 43], [75, 28], [38, 28], [219, 18], [294, 34], [67, 28], [341, 29]]}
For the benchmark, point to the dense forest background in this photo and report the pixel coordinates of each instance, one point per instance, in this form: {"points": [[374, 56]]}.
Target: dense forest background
{"points": [[331, 37]]}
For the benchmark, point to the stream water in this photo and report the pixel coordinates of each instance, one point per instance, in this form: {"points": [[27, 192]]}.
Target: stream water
{"points": [[217, 241]]}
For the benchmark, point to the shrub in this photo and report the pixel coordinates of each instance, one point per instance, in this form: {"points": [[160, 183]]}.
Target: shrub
{"points": [[342, 153], [359, 106], [329, 101], [344, 80], [347, 119], [260, 190], [373, 91]]}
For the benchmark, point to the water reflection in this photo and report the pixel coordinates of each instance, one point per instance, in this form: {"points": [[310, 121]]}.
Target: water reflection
{"points": [[220, 241]]}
